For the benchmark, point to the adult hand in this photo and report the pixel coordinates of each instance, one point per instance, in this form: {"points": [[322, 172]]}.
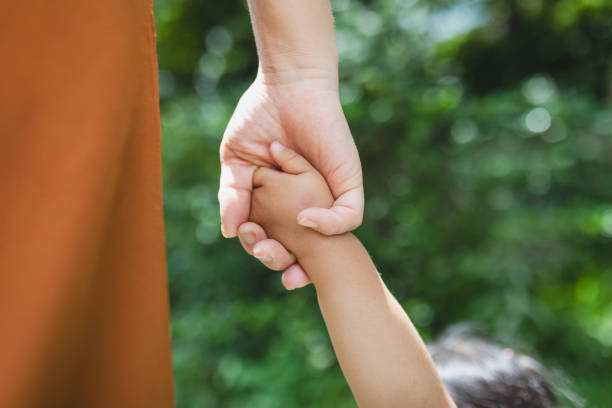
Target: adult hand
{"points": [[303, 113]]}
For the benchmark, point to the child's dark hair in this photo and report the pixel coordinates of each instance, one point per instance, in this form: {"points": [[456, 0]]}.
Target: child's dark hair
{"points": [[479, 374]]}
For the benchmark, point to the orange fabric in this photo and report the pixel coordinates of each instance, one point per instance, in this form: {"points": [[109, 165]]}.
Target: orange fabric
{"points": [[84, 313]]}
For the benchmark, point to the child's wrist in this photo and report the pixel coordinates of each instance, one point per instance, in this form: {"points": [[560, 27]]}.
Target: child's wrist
{"points": [[315, 246], [309, 243], [321, 257]]}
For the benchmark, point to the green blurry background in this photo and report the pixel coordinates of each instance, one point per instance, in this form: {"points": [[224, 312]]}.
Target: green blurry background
{"points": [[485, 132]]}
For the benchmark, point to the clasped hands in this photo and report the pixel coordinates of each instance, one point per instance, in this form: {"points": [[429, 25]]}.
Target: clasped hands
{"points": [[305, 116]]}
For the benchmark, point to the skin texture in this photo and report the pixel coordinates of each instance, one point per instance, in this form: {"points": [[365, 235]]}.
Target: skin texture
{"points": [[288, 192], [293, 100], [380, 352]]}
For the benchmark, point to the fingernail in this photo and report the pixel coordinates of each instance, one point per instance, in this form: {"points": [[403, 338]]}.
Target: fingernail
{"points": [[307, 223], [264, 258], [225, 233], [249, 239], [285, 283], [277, 147]]}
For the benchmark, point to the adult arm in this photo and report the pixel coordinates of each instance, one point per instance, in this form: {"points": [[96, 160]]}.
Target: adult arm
{"points": [[294, 100], [295, 40]]}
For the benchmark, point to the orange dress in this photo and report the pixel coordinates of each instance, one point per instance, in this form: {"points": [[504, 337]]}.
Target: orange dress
{"points": [[84, 314]]}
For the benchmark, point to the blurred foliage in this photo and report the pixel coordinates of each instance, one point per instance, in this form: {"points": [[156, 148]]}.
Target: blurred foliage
{"points": [[485, 132]]}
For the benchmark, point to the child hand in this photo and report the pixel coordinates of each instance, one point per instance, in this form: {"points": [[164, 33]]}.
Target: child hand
{"points": [[279, 196]]}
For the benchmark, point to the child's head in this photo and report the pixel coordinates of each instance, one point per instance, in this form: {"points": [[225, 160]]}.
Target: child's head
{"points": [[478, 374]]}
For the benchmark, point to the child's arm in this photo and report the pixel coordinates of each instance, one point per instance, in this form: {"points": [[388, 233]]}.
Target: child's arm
{"points": [[381, 354]]}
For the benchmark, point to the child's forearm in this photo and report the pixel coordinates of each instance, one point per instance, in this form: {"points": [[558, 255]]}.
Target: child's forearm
{"points": [[381, 354]]}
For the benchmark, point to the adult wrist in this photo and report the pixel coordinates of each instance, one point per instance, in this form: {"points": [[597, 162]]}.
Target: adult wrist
{"points": [[295, 39], [277, 72]]}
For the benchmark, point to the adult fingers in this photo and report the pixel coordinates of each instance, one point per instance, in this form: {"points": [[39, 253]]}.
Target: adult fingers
{"points": [[250, 234], [295, 277], [272, 254], [345, 215], [235, 196], [337, 159], [288, 160]]}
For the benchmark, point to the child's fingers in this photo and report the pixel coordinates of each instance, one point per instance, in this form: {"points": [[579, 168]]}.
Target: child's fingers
{"points": [[273, 254], [261, 174], [295, 277], [288, 160], [250, 234]]}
